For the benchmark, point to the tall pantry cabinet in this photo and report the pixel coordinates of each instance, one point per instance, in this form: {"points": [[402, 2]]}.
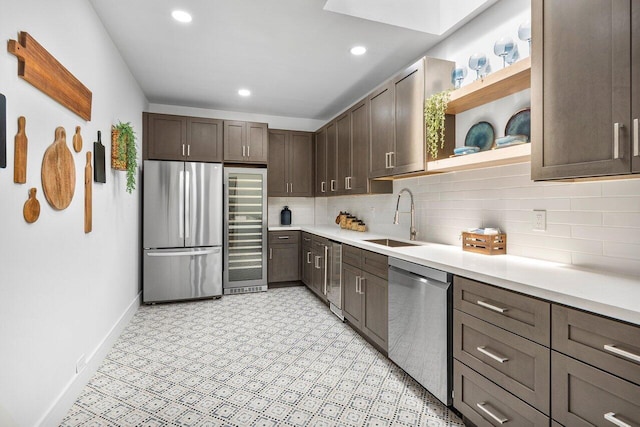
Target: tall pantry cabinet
{"points": [[586, 88]]}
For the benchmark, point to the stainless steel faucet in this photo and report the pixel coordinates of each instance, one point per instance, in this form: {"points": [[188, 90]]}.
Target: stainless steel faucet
{"points": [[396, 218]]}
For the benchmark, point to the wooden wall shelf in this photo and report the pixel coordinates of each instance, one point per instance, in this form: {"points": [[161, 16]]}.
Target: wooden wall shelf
{"points": [[484, 159], [509, 80]]}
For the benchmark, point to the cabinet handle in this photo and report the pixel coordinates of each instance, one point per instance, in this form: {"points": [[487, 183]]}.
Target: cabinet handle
{"points": [[188, 150], [291, 184], [386, 160], [317, 262], [498, 418], [636, 138], [248, 151], [611, 348], [392, 159], [482, 349], [362, 279], [611, 417], [326, 269], [243, 151], [309, 257], [306, 239], [270, 253], [346, 182], [333, 185], [287, 188], [357, 284], [182, 150], [323, 187], [616, 139], [491, 307], [283, 237]]}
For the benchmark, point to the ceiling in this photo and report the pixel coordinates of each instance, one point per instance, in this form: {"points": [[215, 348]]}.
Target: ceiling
{"points": [[292, 54]]}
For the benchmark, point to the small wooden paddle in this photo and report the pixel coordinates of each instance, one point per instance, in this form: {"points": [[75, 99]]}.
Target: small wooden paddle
{"points": [[20, 153], [31, 209], [88, 177], [58, 172], [77, 140]]}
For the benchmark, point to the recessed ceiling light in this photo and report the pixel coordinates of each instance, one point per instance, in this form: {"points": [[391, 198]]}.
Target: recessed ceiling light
{"points": [[181, 16], [244, 92], [358, 50]]}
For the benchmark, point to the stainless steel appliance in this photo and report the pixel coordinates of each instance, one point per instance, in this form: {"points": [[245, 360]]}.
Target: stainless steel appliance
{"points": [[333, 277], [420, 322], [245, 227], [182, 230]]}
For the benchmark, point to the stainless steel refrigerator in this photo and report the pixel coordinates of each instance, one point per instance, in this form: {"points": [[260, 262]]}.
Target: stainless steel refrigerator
{"points": [[245, 226], [182, 231]]}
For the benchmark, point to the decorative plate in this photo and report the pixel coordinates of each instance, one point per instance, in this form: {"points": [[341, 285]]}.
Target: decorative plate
{"points": [[520, 124], [480, 135]]}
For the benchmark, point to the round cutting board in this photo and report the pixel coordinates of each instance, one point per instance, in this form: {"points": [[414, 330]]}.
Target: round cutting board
{"points": [[58, 172]]}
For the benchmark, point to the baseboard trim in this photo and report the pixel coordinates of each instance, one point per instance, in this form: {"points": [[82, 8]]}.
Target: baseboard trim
{"points": [[69, 394]]}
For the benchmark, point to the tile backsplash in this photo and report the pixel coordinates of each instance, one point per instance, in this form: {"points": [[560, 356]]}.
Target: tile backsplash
{"points": [[302, 210], [593, 224]]}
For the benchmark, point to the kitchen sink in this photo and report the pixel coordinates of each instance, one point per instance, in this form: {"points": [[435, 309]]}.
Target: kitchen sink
{"points": [[390, 243]]}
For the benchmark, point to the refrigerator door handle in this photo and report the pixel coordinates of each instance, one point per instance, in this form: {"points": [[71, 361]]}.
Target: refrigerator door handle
{"points": [[181, 205], [187, 205], [184, 253]]}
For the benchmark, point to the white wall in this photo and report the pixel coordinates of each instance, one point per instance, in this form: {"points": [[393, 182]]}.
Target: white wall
{"points": [[593, 224], [61, 290], [274, 122], [302, 210]]}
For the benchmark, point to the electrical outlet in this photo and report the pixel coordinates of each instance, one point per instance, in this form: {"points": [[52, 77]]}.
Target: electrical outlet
{"points": [[81, 363], [540, 220]]}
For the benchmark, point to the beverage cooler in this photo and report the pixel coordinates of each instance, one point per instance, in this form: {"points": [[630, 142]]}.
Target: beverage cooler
{"points": [[245, 229]]}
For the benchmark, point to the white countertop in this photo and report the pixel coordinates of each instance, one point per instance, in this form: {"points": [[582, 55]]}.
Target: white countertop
{"points": [[285, 227], [603, 293]]}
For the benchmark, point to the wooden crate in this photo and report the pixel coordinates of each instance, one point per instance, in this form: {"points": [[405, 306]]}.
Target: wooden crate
{"points": [[488, 244]]}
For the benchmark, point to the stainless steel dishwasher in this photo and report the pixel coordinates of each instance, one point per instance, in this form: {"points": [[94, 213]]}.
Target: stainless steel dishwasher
{"points": [[420, 322]]}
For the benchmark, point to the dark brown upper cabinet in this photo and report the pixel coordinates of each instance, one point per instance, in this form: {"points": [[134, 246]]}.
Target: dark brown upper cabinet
{"points": [[321, 186], [245, 142], [332, 158], [169, 137], [343, 148], [585, 111], [290, 169], [397, 133]]}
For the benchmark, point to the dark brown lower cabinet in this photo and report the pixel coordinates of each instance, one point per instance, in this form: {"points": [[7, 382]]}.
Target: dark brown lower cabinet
{"points": [[365, 293], [586, 396], [307, 265], [518, 365], [485, 404], [284, 256]]}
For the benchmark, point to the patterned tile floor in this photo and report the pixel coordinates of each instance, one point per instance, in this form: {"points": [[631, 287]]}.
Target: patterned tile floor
{"points": [[279, 358]]}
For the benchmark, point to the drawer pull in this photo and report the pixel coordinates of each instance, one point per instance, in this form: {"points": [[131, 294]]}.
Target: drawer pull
{"points": [[611, 417], [498, 418], [491, 307], [482, 349], [615, 350], [283, 237]]}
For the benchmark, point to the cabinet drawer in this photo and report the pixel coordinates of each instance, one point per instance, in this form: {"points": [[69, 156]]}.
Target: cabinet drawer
{"points": [[283, 237], [318, 243], [608, 344], [514, 363], [520, 314], [352, 256], [376, 264], [586, 396], [306, 239], [486, 404]]}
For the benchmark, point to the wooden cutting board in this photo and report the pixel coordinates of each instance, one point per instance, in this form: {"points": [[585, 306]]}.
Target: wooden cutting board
{"points": [[42, 70], [99, 174], [77, 140], [58, 172], [31, 209], [3, 131], [88, 176], [20, 153]]}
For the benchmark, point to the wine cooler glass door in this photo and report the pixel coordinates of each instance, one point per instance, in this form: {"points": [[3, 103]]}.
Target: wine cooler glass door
{"points": [[246, 224]]}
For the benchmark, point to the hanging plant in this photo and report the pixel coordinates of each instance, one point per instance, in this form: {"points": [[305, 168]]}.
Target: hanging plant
{"points": [[434, 116], [124, 152]]}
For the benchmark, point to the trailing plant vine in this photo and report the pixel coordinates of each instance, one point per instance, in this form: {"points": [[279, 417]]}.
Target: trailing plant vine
{"points": [[434, 116], [127, 152]]}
